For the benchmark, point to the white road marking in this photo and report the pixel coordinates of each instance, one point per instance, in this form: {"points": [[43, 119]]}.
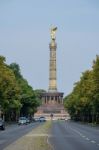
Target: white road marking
{"points": [[87, 139], [83, 136], [93, 142]]}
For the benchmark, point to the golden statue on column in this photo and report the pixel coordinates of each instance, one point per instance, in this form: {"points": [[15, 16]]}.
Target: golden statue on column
{"points": [[53, 33]]}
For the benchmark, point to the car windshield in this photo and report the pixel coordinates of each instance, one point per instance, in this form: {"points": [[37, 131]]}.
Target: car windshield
{"points": [[22, 118]]}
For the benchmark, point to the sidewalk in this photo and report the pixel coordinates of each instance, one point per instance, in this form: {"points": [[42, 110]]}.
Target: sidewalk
{"points": [[37, 139]]}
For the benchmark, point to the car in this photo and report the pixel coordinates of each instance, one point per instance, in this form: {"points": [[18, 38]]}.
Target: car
{"points": [[22, 120], [36, 119], [2, 124], [33, 119], [68, 118], [28, 120], [42, 119]]}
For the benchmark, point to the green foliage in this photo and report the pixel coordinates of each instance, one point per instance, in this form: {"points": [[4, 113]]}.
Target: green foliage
{"points": [[83, 102], [38, 94], [27, 95], [16, 96]]}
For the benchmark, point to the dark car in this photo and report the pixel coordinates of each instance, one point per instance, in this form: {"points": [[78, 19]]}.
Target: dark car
{"points": [[2, 124]]}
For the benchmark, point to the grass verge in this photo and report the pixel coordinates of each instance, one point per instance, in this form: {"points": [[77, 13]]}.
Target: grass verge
{"points": [[34, 140]]}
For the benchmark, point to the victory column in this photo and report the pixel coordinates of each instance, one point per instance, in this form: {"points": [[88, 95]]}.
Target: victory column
{"points": [[52, 65], [52, 101]]}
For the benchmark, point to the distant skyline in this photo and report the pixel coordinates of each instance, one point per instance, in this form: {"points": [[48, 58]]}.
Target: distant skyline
{"points": [[25, 37]]}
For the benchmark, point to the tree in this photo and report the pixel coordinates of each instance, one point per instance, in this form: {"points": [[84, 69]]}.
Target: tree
{"points": [[29, 99], [83, 102], [79, 99], [9, 90], [95, 102]]}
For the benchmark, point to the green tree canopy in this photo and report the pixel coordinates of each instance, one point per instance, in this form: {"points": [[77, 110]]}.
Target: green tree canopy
{"points": [[83, 102]]}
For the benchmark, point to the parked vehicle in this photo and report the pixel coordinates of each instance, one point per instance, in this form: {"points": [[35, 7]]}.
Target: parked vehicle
{"points": [[42, 119], [22, 120], [28, 120], [36, 119], [2, 124]]}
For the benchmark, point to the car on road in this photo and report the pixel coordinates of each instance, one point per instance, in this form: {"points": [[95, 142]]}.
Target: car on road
{"points": [[67, 118], [42, 119], [2, 124], [36, 119], [22, 120], [28, 120]]}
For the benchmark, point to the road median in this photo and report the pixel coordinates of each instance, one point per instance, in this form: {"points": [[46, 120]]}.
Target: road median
{"points": [[37, 139]]}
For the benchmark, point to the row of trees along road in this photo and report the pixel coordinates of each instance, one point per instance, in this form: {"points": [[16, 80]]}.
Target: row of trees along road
{"points": [[83, 103], [17, 98]]}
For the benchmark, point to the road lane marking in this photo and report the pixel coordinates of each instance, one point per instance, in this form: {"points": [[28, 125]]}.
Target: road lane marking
{"points": [[83, 136], [78, 133], [93, 142], [87, 139]]}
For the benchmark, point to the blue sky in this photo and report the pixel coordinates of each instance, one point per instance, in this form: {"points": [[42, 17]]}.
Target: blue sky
{"points": [[25, 37]]}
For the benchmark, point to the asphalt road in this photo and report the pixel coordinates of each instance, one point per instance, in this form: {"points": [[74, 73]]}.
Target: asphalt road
{"points": [[63, 136], [14, 132], [73, 136]]}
